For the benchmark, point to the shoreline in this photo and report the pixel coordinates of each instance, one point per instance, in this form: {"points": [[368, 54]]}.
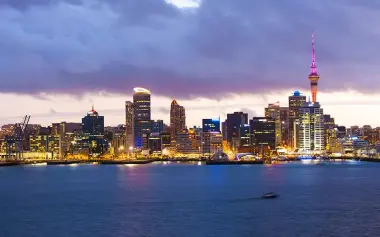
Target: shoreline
{"points": [[149, 161]]}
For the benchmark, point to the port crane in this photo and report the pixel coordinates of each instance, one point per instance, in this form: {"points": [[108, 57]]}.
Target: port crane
{"points": [[15, 142]]}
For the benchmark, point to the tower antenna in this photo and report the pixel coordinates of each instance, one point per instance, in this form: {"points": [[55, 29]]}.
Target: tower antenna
{"points": [[313, 63]]}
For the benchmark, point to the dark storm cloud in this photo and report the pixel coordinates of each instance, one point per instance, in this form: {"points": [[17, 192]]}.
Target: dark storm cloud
{"points": [[224, 46]]}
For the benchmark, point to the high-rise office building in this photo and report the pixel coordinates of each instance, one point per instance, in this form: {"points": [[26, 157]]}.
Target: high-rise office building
{"points": [[284, 118], [93, 129], [141, 117], [92, 123], [129, 125], [263, 130], [116, 136], [184, 144], [211, 125], [273, 111], [311, 131], [155, 143], [296, 100], [177, 119], [157, 126], [195, 135], [329, 130], [212, 142], [234, 122], [165, 140], [313, 76], [245, 135]]}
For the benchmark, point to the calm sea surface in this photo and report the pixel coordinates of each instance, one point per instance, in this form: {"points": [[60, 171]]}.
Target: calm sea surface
{"points": [[338, 199]]}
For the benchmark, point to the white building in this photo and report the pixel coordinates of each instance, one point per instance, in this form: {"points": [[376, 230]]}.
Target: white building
{"points": [[311, 131]]}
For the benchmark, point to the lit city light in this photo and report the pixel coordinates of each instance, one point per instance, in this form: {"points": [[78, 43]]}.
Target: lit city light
{"points": [[299, 131]]}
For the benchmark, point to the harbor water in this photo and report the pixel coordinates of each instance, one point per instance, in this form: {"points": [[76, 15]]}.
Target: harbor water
{"points": [[173, 199]]}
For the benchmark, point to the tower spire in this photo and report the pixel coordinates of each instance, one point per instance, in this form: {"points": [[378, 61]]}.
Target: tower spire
{"points": [[313, 76], [313, 64]]}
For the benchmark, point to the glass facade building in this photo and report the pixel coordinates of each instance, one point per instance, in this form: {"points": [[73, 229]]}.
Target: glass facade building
{"points": [[141, 117]]}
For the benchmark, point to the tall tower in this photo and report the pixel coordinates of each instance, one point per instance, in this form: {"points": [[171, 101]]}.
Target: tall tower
{"points": [[273, 111], [93, 124], [177, 119], [296, 101], [129, 125], [234, 122], [311, 129], [313, 76], [141, 117]]}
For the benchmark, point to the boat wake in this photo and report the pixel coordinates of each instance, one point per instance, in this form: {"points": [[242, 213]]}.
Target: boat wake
{"points": [[270, 195]]}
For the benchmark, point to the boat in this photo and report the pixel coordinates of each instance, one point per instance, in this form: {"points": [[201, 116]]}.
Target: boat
{"points": [[40, 164], [304, 157], [270, 195]]}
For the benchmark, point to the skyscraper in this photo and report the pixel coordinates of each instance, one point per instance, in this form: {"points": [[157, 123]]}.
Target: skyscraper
{"points": [[211, 125], [273, 111], [313, 76], [329, 130], [284, 117], [212, 142], [166, 140], [93, 129], [195, 135], [155, 143], [129, 125], [157, 126], [177, 119], [142, 117], [245, 136], [184, 144], [296, 101], [93, 124], [263, 130], [234, 122], [311, 132]]}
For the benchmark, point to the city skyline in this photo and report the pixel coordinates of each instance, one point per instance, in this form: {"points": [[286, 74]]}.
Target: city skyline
{"points": [[240, 75], [113, 109]]}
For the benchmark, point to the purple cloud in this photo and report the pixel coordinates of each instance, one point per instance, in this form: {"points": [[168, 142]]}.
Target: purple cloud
{"points": [[224, 46]]}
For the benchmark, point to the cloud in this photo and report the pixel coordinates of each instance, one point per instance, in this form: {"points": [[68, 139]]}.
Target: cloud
{"points": [[52, 111], [251, 113], [163, 110], [219, 48]]}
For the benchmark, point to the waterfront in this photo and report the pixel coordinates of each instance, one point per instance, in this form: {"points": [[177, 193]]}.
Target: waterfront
{"points": [[171, 199]]}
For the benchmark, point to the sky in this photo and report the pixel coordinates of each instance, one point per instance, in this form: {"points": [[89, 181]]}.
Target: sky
{"points": [[58, 57]]}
